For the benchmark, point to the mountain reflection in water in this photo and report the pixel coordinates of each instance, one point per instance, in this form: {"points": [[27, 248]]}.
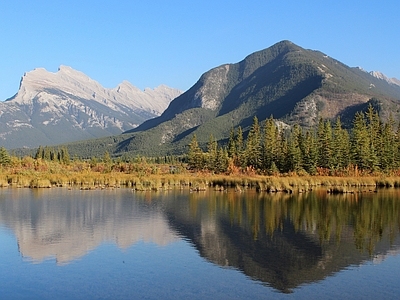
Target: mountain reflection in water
{"points": [[67, 224], [289, 240], [282, 240]]}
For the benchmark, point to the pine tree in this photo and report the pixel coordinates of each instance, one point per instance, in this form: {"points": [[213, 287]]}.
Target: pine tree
{"points": [[295, 158], [360, 142], [283, 153], [310, 153], [65, 158], [212, 151], [253, 146], [195, 155], [39, 153], [232, 144], [5, 158], [222, 160], [388, 149], [324, 134], [340, 146], [107, 158], [46, 153], [374, 135], [240, 160], [270, 144]]}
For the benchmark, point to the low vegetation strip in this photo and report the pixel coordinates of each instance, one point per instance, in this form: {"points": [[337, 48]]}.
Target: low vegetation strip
{"points": [[156, 177]]}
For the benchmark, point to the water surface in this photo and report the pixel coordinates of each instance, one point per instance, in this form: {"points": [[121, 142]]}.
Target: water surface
{"points": [[118, 244]]}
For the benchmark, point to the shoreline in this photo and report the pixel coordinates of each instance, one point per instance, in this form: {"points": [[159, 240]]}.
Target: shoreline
{"points": [[199, 181]]}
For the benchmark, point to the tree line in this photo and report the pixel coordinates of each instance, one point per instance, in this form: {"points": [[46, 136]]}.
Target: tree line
{"points": [[329, 149]]}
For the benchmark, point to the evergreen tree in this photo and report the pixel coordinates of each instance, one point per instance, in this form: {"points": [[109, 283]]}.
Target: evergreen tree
{"points": [[283, 153], [270, 144], [295, 158], [222, 160], [39, 153], [324, 134], [46, 153], [107, 158], [340, 147], [5, 158], [240, 160], [232, 144], [212, 152], [389, 147], [195, 155], [310, 153], [253, 146], [374, 135], [360, 142], [65, 158]]}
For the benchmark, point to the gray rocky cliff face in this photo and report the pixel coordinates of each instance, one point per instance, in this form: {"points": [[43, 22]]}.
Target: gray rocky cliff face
{"points": [[53, 108], [210, 94], [382, 76]]}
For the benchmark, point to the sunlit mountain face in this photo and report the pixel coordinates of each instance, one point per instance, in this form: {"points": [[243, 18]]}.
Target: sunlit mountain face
{"points": [[54, 108]]}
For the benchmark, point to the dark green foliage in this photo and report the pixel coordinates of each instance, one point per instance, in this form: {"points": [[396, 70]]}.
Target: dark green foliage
{"points": [[232, 144], [372, 146], [389, 146], [239, 157], [295, 157], [325, 151], [360, 150], [340, 147], [222, 161], [309, 153], [195, 155], [270, 145], [212, 154], [5, 158], [252, 151]]}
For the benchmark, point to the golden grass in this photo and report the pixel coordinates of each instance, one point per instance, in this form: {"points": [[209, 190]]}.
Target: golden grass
{"points": [[44, 175]]}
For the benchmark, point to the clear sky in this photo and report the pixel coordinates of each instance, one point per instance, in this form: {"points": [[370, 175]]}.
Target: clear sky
{"points": [[173, 42]]}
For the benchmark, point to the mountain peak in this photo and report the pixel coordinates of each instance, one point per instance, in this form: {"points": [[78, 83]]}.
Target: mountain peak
{"points": [[64, 68], [380, 75], [293, 84], [76, 106]]}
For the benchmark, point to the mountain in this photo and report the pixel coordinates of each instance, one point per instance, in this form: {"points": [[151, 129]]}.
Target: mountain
{"points": [[382, 76], [293, 84], [53, 108]]}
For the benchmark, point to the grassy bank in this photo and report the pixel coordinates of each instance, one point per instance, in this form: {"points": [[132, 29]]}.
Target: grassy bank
{"points": [[31, 173], [195, 181]]}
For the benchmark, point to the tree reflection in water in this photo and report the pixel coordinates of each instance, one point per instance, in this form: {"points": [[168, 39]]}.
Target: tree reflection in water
{"points": [[286, 240]]}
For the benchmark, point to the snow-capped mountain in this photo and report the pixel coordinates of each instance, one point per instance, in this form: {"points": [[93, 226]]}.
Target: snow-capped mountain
{"points": [[53, 108]]}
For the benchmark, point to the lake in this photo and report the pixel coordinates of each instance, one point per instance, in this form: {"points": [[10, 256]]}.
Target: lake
{"points": [[119, 244]]}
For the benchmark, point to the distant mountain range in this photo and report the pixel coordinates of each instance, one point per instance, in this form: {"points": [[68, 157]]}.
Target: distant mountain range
{"points": [[53, 108], [293, 84]]}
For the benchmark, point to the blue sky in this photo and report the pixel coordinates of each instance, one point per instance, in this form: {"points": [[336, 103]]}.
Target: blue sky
{"points": [[173, 42]]}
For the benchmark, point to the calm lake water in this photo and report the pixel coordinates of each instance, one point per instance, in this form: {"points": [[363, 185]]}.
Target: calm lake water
{"points": [[118, 244]]}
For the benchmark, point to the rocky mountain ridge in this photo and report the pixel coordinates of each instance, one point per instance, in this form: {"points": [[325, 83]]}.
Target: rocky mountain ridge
{"points": [[382, 76], [290, 83], [52, 108], [293, 84]]}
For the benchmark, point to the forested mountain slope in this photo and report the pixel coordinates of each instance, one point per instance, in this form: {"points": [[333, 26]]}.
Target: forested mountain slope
{"points": [[295, 85]]}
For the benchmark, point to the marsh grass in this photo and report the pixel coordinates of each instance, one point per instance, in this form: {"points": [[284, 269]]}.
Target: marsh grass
{"points": [[39, 174], [3, 181]]}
